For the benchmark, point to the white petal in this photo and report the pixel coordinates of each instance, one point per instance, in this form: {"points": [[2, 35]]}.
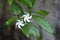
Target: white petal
{"points": [[19, 26], [27, 14], [22, 24], [28, 20], [16, 24], [30, 17], [24, 19], [24, 16]]}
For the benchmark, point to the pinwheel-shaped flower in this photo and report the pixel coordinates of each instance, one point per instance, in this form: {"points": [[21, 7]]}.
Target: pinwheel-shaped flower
{"points": [[19, 23], [27, 18]]}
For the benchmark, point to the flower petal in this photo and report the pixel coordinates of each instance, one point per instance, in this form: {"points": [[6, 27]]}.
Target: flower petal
{"points": [[19, 26], [27, 15], [24, 16], [16, 24], [22, 24], [24, 19], [30, 17], [28, 20]]}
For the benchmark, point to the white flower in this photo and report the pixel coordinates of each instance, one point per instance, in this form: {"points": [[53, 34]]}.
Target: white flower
{"points": [[27, 18], [19, 24]]}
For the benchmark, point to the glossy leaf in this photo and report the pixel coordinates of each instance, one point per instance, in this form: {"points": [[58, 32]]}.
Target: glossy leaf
{"points": [[28, 3], [44, 24], [9, 2], [10, 21], [29, 28], [42, 12]]}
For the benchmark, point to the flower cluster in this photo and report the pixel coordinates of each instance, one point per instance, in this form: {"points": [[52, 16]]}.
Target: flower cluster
{"points": [[19, 23], [26, 17]]}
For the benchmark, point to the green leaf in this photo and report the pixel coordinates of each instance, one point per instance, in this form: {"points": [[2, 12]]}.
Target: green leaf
{"points": [[33, 2], [10, 21], [1, 5], [8, 27], [28, 3], [42, 12], [29, 28], [9, 2], [16, 9], [44, 24]]}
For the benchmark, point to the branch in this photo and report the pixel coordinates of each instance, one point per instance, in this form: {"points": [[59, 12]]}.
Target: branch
{"points": [[4, 9]]}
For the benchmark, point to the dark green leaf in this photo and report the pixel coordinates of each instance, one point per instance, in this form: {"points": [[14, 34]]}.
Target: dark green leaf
{"points": [[33, 2], [16, 9], [28, 3], [42, 12], [44, 24], [29, 28], [9, 2], [10, 21], [8, 27]]}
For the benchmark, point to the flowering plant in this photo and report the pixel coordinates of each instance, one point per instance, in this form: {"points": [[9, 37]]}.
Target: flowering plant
{"points": [[24, 20]]}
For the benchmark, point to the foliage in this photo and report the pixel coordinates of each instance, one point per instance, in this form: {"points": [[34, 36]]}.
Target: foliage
{"points": [[28, 3], [29, 28], [1, 5], [42, 12], [43, 23]]}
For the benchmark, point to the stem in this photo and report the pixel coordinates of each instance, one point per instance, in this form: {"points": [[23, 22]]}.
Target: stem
{"points": [[3, 17]]}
